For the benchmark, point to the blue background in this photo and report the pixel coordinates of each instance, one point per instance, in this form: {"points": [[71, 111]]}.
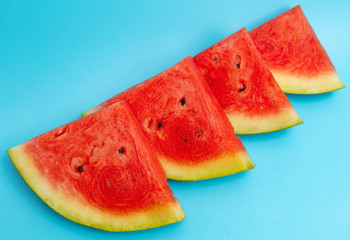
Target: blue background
{"points": [[60, 58]]}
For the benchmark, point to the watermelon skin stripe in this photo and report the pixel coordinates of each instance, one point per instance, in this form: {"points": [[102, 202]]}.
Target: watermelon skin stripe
{"points": [[76, 207]]}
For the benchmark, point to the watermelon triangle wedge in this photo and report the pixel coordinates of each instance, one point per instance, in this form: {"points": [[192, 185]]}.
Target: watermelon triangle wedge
{"points": [[294, 54], [99, 171], [185, 124], [244, 86]]}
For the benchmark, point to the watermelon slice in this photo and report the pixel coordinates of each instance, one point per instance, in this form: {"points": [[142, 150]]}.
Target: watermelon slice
{"points": [[294, 54], [185, 124], [244, 86], [99, 171]]}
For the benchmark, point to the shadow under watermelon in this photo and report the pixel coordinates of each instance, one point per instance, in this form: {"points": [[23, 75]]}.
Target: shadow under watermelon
{"points": [[265, 136], [310, 98]]}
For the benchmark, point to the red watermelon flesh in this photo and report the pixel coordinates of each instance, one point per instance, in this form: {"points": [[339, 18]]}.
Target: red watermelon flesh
{"points": [[244, 86], [99, 171], [295, 56], [185, 124]]}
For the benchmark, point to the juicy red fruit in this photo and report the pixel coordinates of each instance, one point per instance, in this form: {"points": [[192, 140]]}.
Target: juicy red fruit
{"points": [[288, 43], [181, 121], [104, 159], [239, 78]]}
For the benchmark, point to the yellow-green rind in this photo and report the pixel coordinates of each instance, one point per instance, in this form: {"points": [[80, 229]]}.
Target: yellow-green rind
{"points": [[224, 165], [90, 111], [298, 84], [77, 209], [245, 124]]}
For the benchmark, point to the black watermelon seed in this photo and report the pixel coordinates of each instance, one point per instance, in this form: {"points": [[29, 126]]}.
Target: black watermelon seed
{"points": [[183, 101], [159, 124], [121, 151], [238, 60], [216, 58], [185, 140], [242, 86], [80, 168]]}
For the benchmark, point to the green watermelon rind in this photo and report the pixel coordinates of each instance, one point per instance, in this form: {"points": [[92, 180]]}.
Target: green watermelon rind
{"points": [[223, 165], [85, 214], [294, 84], [296, 77], [246, 125], [90, 111]]}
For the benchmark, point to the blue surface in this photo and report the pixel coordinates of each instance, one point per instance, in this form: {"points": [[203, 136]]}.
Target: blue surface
{"points": [[60, 58]]}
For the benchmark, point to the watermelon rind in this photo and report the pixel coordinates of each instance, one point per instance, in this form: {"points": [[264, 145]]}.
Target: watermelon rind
{"points": [[78, 210], [224, 165], [90, 111], [245, 124], [294, 54], [294, 84]]}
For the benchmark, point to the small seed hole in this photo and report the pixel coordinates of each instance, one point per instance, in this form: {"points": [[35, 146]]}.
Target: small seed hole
{"points": [[199, 133], [183, 101], [109, 182], [121, 151], [238, 61], [216, 58], [159, 124], [80, 168], [60, 132], [242, 86]]}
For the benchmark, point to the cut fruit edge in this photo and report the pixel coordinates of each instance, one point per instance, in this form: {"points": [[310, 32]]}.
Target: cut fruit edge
{"points": [[224, 165], [322, 83], [285, 118], [81, 212]]}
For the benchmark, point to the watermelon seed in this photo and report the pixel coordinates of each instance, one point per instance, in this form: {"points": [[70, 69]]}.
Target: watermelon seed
{"points": [[216, 58], [238, 61], [242, 86], [159, 124], [121, 151], [80, 168], [183, 101], [185, 140], [199, 133]]}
